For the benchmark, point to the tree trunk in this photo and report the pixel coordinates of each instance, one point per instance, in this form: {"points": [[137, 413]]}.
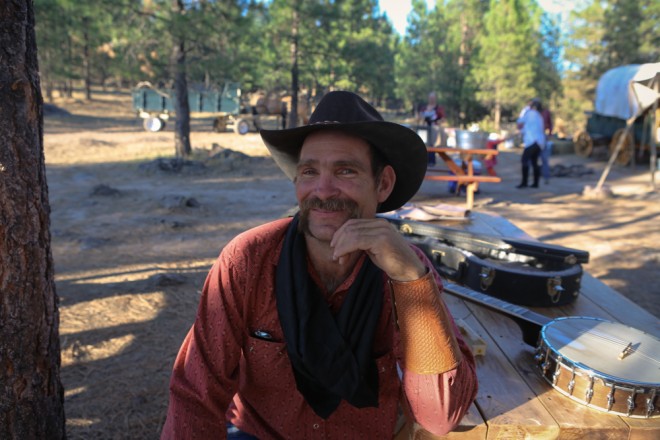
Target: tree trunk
{"points": [[293, 116], [463, 46], [31, 394], [87, 64], [68, 82], [181, 105]]}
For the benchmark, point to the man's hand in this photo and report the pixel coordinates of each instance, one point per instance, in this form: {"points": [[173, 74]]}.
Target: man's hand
{"points": [[384, 245]]}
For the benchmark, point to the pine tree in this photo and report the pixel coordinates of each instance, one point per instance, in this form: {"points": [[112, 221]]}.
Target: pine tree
{"points": [[421, 55], [508, 49]]}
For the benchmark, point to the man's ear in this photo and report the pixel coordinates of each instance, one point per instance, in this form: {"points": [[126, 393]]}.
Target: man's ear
{"points": [[386, 183]]}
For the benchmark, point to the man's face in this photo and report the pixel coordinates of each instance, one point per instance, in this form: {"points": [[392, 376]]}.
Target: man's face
{"points": [[335, 182]]}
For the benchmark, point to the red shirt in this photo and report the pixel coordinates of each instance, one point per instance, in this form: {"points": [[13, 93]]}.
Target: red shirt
{"points": [[547, 121], [224, 373]]}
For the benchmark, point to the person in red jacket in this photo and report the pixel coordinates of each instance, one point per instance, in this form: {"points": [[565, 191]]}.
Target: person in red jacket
{"points": [[493, 141], [328, 323]]}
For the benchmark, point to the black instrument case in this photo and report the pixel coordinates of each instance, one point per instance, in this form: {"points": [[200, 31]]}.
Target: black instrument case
{"points": [[522, 272]]}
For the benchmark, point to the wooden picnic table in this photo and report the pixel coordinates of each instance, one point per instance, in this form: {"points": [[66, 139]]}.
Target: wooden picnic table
{"points": [[460, 175], [514, 401]]}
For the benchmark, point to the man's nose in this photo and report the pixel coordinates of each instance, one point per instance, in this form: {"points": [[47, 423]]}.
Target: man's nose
{"points": [[326, 186]]}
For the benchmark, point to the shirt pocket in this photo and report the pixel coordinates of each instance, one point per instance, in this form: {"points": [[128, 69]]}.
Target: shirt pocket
{"points": [[266, 364]]}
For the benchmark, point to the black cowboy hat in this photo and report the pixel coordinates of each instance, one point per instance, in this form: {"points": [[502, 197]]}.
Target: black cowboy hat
{"points": [[401, 147]]}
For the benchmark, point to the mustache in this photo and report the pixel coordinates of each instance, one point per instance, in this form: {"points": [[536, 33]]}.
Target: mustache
{"points": [[328, 205]]}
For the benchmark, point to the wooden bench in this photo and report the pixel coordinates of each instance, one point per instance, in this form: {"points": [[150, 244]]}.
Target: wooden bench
{"points": [[459, 175]]}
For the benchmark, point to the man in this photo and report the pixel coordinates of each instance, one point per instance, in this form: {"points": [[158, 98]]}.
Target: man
{"points": [[325, 324], [548, 128], [530, 123], [432, 114]]}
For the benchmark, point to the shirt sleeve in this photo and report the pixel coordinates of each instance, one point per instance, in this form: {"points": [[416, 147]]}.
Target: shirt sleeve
{"points": [[205, 374], [436, 400]]}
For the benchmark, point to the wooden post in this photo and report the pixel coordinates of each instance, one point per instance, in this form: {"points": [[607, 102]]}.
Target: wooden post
{"points": [[619, 145]]}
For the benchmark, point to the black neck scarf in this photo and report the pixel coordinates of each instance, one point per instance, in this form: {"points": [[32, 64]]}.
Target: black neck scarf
{"points": [[331, 355]]}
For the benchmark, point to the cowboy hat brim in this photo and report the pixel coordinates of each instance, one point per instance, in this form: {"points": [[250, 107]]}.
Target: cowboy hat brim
{"points": [[402, 148]]}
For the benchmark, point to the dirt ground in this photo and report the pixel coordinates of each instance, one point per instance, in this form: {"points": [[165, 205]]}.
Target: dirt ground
{"points": [[133, 239]]}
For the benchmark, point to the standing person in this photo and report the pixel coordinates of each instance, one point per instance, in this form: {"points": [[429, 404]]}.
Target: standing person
{"points": [[530, 123], [432, 114], [325, 324], [547, 150]]}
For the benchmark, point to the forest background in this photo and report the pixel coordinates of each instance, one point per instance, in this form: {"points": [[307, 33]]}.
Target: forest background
{"points": [[485, 59]]}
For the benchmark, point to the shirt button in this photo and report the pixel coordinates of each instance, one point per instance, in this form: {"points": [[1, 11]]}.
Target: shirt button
{"points": [[315, 426]]}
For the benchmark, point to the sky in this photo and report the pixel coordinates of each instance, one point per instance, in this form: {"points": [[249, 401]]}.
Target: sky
{"points": [[397, 10]]}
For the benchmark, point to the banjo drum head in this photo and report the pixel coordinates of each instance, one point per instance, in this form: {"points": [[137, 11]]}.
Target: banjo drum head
{"points": [[605, 365]]}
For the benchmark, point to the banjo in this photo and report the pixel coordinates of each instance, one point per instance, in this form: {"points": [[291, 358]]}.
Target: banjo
{"points": [[604, 365]]}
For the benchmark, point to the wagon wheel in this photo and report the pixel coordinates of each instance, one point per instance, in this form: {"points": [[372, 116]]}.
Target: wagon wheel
{"points": [[626, 151], [241, 126], [220, 124], [154, 124], [583, 144]]}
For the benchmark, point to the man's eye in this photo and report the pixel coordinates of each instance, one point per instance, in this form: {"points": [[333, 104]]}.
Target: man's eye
{"points": [[346, 171], [308, 172]]}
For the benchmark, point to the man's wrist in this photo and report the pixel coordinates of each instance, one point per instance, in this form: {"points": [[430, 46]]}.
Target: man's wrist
{"points": [[411, 275]]}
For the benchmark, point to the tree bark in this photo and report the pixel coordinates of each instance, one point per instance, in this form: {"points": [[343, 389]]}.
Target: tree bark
{"points": [[31, 394], [181, 106]]}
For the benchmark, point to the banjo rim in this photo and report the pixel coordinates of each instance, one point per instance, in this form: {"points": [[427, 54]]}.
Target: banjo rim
{"points": [[547, 352]]}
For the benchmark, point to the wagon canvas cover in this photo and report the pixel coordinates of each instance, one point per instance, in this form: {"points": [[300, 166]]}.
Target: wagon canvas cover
{"points": [[626, 91]]}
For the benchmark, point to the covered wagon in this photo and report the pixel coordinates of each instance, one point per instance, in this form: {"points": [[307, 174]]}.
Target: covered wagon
{"points": [[624, 116]]}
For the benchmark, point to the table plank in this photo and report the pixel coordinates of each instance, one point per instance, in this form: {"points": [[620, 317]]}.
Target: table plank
{"points": [[507, 403], [479, 151], [504, 400], [464, 178], [622, 308], [488, 223], [643, 429], [462, 432]]}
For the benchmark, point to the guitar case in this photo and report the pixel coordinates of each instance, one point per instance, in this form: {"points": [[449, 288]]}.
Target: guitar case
{"points": [[521, 272]]}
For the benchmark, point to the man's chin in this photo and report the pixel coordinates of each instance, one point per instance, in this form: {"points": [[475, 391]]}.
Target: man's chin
{"points": [[324, 228], [321, 234]]}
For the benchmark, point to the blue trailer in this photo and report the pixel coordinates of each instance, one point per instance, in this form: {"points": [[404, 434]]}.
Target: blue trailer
{"points": [[156, 105]]}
